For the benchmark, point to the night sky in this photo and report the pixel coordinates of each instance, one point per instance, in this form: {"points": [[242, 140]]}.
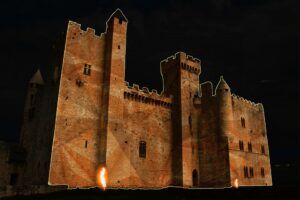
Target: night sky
{"points": [[254, 44]]}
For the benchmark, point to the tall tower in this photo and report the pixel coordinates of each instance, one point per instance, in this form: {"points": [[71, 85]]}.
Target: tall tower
{"points": [[112, 139], [34, 84], [224, 117], [224, 104], [181, 80]]}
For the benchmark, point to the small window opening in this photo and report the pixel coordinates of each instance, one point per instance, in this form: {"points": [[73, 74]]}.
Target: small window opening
{"points": [[86, 144], [251, 172], [87, 69], [241, 145], [243, 122], [263, 149], [119, 47], [79, 83], [246, 172], [262, 172], [249, 147], [142, 149], [120, 21]]}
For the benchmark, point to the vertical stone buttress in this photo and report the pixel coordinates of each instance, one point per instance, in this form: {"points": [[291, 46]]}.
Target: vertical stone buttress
{"points": [[225, 127], [181, 80], [113, 138]]}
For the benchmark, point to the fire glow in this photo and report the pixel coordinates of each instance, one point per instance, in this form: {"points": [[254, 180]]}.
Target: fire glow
{"points": [[236, 183], [102, 178]]}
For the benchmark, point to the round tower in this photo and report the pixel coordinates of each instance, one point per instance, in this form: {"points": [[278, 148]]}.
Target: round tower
{"points": [[224, 105]]}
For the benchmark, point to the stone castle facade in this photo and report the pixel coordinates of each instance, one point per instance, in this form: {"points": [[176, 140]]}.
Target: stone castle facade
{"points": [[85, 116]]}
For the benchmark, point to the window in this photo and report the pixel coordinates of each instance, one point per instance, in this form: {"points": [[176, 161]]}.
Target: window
{"points": [[13, 179], [190, 121], [243, 122], [263, 149], [262, 172], [249, 147], [86, 144], [120, 21], [87, 69], [142, 149], [246, 172], [251, 172], [119, 47], [241, 145]]}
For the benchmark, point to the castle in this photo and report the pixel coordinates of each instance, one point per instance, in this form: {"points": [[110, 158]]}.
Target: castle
{"points": [[85, 116]]}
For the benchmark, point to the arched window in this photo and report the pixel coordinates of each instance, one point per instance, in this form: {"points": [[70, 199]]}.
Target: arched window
{"points": [[246, 172], [243, 122], [249, 147], [142, 149], [241, 145], [262, 172], [195, 178], [263, 149]]}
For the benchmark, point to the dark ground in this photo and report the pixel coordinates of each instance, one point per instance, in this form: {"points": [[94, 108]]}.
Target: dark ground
{"points": [[257, 193]]}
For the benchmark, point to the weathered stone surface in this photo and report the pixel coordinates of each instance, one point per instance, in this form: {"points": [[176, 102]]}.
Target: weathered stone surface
{"points": [[91, 117]]}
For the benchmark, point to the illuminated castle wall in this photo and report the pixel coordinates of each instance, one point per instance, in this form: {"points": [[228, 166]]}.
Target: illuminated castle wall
{"points": [[189, 135]]}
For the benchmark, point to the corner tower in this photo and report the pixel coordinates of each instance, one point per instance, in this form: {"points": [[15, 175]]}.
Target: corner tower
{"points": [[181, 80], [112, 134]]}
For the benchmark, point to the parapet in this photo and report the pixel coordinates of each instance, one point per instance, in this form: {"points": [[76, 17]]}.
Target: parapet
{"points": [[246, 102], [145, 96], [89, 31], [186, 62]]}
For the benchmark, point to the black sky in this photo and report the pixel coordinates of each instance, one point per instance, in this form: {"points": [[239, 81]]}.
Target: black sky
{"points": [[254, 44]]}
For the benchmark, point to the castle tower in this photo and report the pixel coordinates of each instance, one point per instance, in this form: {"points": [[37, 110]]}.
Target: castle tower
{"points": [[224, 104], [224, 118], [34, 84], [113, 96], [181, 80]]}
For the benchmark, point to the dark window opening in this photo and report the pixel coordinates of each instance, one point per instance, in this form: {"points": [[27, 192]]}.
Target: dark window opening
{"points": [[142, 149], [249, 147], [241, 145], [251, 172], [195, 178], [13, 179], [87, 69], [262, 172], [86, 144], [246, 172], [243, 123], [120, 21], [79, 83], [263, 149], [119, 47]]}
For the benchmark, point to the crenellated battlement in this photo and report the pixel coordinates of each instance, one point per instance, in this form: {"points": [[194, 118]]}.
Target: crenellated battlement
{"points": [[144, 95], [76, 27], [247, 102], [186, 62]]}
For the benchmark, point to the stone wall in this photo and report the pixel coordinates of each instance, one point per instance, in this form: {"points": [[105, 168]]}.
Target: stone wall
{"points": [[253, 132]]}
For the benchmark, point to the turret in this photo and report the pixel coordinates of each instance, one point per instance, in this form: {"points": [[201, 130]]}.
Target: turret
{"points": [[34, 84], [224, 104]]}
